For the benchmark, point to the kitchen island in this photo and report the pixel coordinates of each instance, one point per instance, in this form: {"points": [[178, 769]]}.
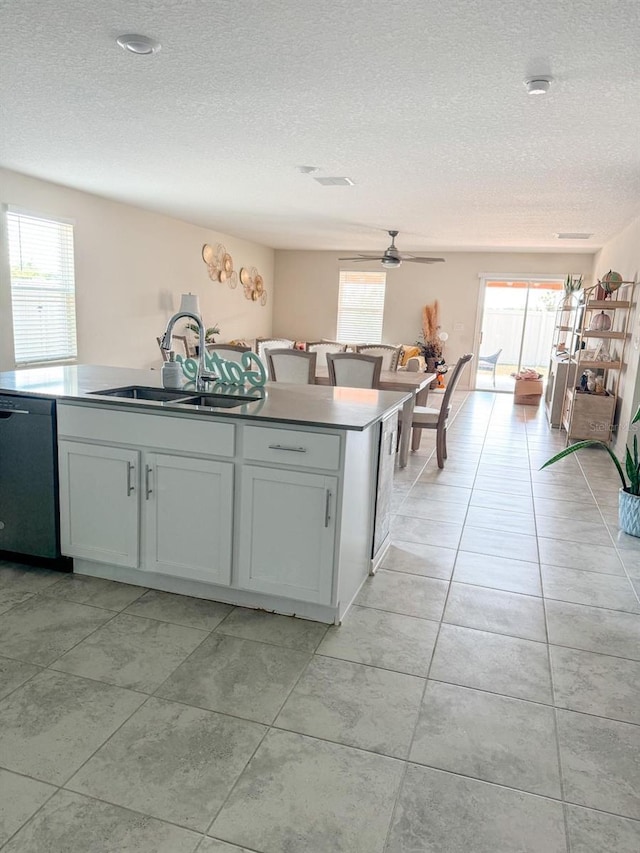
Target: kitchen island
{"points": [[274, 497]]}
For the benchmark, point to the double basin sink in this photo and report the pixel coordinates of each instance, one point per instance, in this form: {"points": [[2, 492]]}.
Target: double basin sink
{"points": [[163, 395]]}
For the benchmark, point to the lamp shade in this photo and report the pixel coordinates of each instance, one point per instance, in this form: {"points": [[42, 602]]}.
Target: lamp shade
{"points": [[189, 302]]}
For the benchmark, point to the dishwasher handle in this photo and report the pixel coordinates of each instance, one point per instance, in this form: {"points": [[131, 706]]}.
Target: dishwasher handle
{"points": [[6, 413]]}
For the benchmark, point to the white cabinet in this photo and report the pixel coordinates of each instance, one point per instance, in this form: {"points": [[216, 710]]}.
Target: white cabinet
{"points": [[99, 503], [188, 506], [252, 514], [287, 533]]}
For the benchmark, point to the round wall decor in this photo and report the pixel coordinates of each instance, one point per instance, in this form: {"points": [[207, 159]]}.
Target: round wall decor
{"points": [[219, 264]]}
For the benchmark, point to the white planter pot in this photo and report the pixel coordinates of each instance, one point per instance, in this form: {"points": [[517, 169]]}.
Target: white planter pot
{"points": [[629, 513]]}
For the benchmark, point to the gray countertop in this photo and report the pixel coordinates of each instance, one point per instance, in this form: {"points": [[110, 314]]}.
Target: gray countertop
{"points": [[312, 405]]}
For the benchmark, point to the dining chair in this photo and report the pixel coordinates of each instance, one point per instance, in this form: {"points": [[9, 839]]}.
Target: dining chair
{"points": [[231, 352], [322, 348], [352, 370], [390, 355], [263, 344], [292, 365], [489, 362], [182, 340], [425, 417]]}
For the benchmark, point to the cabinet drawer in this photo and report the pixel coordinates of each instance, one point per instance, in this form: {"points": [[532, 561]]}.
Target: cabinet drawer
{"points": [[162, 432], [292, 447]]}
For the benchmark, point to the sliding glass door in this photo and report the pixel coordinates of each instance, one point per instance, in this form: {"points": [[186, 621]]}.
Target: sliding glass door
{"points": [[516, 328]]}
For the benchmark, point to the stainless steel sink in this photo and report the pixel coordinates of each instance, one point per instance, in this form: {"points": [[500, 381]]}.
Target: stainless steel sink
{"points": [[138, 392], [224, 401]]}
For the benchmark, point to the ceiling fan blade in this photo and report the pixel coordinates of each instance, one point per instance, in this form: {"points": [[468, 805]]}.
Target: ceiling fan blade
{"points": [[363, 258], [423, 260]]}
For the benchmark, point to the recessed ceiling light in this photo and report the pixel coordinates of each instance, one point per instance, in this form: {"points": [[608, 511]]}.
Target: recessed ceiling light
{"points": [[335, 182], [572, 235], [308, 170], [538, 85], [141, 45]]}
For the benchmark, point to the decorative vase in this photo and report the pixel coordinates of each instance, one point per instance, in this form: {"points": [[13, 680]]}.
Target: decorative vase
{"points": [[629, 513], [431, 368]]}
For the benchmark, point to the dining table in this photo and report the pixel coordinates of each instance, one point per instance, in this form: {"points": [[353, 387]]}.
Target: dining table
{"points": [[397, 380]]}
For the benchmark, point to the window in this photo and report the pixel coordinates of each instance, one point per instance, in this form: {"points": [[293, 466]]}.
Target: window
{"points": [[361, 307], [42, 288]]}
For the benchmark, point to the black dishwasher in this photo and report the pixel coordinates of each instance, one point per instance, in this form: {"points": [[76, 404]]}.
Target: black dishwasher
{"points": [[29, 516]]}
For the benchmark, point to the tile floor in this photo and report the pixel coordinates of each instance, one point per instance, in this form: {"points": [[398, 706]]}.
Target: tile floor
{"points": [[482, 696]]}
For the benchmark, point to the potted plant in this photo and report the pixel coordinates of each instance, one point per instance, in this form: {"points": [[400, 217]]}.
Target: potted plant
{"points": [[573, 283], [629, 495], [209, 334]]}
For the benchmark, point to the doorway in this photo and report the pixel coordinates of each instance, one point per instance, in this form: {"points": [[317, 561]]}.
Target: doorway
{"points": [[515, 328]]}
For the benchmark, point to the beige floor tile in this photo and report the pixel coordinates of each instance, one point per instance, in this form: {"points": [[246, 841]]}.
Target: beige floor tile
{"points": [[498, 573], [20, 797], [278, 804], [300, 634], [75, 824], [379, 638], [355, 705], [411, 595], [494, 610], [171, 761], [599, 763], [416, 558], [53, 723], [440, 812], [490, 737]]}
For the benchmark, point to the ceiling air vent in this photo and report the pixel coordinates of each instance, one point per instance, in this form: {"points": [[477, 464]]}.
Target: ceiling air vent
{"points": [[335, 182], [572, 235]]}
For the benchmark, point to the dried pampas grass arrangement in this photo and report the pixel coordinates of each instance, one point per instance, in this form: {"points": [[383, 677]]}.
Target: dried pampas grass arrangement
{"points": [[430, 321]]}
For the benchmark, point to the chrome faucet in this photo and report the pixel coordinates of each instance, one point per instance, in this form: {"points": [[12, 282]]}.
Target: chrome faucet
{"points": [[201, 376]]}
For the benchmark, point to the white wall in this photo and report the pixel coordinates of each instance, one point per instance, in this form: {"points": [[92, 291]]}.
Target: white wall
{"points": [[131, 267], [622, 254], [306, 300]]}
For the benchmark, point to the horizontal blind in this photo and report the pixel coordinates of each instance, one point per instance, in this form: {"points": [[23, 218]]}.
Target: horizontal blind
{"points": [[361, 307], [42, 288]]}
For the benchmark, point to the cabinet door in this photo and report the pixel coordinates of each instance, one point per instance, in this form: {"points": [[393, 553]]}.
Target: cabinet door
{"points": [[384, 489], [188, 513], [99, 503], [287, 533]]}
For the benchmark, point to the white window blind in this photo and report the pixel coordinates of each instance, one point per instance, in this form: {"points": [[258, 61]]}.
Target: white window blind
{"points": [[361, 307], [42, 288]]}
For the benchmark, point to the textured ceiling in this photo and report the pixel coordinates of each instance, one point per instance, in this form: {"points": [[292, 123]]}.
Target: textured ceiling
{"points": [[420, 102]]}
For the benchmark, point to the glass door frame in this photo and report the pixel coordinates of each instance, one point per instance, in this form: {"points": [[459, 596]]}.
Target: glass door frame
{"points": [[484, 277]]}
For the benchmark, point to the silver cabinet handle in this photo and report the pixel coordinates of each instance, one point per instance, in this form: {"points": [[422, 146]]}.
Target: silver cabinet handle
{"points": [[130, 486], [327, 509], [15, 411], [147, 482], [284, 447]]}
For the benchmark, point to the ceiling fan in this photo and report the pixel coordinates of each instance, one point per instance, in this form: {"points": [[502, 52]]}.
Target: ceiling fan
{"points": [[392, 258]]}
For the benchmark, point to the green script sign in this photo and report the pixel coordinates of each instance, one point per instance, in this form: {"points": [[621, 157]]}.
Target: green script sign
{"points": [[228, 372]]}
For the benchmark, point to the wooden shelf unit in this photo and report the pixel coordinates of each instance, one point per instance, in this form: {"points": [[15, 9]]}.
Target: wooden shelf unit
{"points": [[587, 415]]}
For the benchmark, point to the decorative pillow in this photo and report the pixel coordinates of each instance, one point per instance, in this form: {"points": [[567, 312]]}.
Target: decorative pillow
{"points": [[408, 351]]}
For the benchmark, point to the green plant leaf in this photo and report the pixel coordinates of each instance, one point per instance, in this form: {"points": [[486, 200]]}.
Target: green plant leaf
{"points": [[631, 470], [635, 465], [636, 417], [580, 445]]}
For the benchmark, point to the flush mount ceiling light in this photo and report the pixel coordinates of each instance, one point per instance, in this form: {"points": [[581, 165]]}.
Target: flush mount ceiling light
{"points": [[141, 45], [335, 182], [572, 235], [538, 85]]}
